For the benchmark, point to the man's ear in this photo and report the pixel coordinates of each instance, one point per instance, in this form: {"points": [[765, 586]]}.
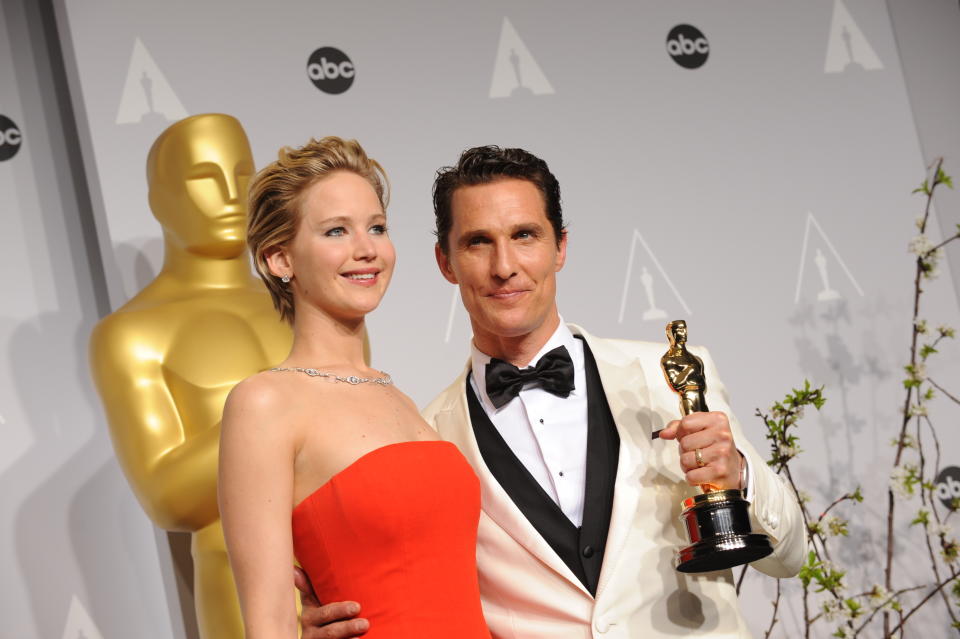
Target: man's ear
{"points": [[561, 251], [443, 262], [278, 261]]}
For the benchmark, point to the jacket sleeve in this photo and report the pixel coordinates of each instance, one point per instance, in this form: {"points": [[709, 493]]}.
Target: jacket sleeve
{"points": [[774, 509]]}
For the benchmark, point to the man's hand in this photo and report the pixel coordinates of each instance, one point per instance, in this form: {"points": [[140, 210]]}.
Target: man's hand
{"points": [[719, 457], [332, 621]]}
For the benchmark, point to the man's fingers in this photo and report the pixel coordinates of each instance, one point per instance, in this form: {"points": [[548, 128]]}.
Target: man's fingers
{"points": [[329, 613], [670, 432], [302, 582], [339, 630]]}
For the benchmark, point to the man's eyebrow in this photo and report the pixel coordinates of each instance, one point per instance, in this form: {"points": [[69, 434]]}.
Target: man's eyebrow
{"points": [[469, 234]]}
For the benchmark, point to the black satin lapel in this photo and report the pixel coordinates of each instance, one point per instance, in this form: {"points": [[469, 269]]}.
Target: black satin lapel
{"points": [[535, 504], [603, 451]]}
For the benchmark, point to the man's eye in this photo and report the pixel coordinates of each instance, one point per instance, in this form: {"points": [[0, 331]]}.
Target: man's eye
{"points": [[336, 232], [473, 241]]}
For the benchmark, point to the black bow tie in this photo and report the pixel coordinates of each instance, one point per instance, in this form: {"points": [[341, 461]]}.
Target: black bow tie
{"points": [[553, 373]]}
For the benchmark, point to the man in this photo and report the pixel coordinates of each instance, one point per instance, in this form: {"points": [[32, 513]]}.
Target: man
{"points": [[580, 500]]}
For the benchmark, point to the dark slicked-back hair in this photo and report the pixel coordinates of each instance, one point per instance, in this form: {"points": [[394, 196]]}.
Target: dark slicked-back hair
{"points": [[485, 164]]}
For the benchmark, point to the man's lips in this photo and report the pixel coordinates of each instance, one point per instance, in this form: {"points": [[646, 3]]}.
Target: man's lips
{"points": [[506, 294]]}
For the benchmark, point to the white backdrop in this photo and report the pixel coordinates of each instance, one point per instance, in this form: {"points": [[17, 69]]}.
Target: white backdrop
{"points": [[764, 196]]}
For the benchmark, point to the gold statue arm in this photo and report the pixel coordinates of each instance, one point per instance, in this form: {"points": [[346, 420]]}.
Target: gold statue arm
{"points": [[257, 454], [174, 477]]}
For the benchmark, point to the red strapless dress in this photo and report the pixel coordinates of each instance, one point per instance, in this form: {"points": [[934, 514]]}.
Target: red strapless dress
{"points": [[397, 531]]}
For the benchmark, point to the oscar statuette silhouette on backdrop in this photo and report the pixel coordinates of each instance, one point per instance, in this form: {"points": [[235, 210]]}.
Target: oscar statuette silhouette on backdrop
{"points": [[165, 361]]}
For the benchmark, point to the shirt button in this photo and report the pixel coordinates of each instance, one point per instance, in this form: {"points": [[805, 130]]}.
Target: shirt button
{"points": [[561, 473], [588, 551], [541, 420]]}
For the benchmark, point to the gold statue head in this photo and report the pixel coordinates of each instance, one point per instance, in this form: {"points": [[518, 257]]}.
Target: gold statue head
{"points": [[198, 172], [677, 333], [275, 200]]}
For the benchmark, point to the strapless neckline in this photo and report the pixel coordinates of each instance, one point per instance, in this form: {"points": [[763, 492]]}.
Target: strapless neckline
{"points": [[365, 458]]}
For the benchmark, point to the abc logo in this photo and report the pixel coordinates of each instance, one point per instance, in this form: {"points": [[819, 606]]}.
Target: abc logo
{"points": [[947, 486], [687, 46], [330, 70], [10, 138]]}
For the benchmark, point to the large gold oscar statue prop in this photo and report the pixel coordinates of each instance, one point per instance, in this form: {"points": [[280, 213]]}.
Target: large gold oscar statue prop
{"points": [[165, 361], [717, 521]]}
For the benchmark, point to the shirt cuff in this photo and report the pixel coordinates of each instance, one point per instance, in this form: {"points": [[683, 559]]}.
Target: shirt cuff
{"points": [[748, 475]]}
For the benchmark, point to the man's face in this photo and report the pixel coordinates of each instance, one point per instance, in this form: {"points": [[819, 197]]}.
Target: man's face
{"points": [[504, 255]]}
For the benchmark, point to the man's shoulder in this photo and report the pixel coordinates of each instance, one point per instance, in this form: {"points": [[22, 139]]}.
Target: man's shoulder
{"points": [[619, 346], [631, 347], [447, 398]]}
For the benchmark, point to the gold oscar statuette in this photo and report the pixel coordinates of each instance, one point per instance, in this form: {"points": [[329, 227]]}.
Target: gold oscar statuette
{"points": [[165, 361], [717, 521]]}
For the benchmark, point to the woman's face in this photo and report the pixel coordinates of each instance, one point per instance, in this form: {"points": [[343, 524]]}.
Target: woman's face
{"points": [[341, 259]]}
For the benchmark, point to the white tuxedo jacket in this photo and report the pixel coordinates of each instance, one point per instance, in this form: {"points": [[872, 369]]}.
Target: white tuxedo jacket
{"points": [[528, 592]]}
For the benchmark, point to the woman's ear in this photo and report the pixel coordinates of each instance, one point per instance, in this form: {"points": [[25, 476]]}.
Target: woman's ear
{"points": [[278, 261]]}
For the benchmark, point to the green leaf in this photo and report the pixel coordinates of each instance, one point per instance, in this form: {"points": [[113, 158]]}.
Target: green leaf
{"points": [[943, 178], [927, 350]]}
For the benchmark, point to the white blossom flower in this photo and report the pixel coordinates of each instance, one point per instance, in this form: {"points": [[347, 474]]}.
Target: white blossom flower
{"points": [[908, 441], [921, 325], [941, 529], [835, 526], [920, 245], [878, 597], [903, 480], [803, 497], [918, 410], [787, 451], [832, 609], [946, 331], [919, 222]]}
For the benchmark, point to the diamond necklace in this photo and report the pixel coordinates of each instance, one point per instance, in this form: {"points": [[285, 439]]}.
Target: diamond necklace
{"points": [[352, 379]]}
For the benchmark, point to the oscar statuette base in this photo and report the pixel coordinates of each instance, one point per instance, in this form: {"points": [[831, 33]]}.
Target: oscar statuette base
{"points": [[718, 527]]}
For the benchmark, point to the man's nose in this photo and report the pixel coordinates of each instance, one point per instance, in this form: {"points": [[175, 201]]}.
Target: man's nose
{"points": [[504, 261]]}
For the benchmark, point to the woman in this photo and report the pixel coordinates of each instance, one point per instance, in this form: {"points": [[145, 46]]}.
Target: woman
{"points": [[322, 457]]}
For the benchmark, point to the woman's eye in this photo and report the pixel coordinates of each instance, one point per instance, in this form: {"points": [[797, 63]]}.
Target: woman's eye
{"points": [[378, 229], [336, 232]]}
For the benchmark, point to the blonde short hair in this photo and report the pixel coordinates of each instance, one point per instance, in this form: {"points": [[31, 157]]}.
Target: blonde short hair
{"points": [[275, 195]]}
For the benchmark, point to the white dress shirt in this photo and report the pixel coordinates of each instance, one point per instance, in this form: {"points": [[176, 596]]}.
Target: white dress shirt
{"points": [[547, 433]]}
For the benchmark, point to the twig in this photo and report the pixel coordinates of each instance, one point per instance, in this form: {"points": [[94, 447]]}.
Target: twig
{"points": [[881, 606], [743, 573], [773, 618], [917, 291], [903, 618], [943, 390]]}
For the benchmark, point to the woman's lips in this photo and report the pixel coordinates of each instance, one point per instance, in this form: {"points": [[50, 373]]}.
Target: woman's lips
{"points": [[365, 277]]}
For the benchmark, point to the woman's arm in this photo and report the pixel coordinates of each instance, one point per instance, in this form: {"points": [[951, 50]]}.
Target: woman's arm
{"points": [[257, 449]]}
